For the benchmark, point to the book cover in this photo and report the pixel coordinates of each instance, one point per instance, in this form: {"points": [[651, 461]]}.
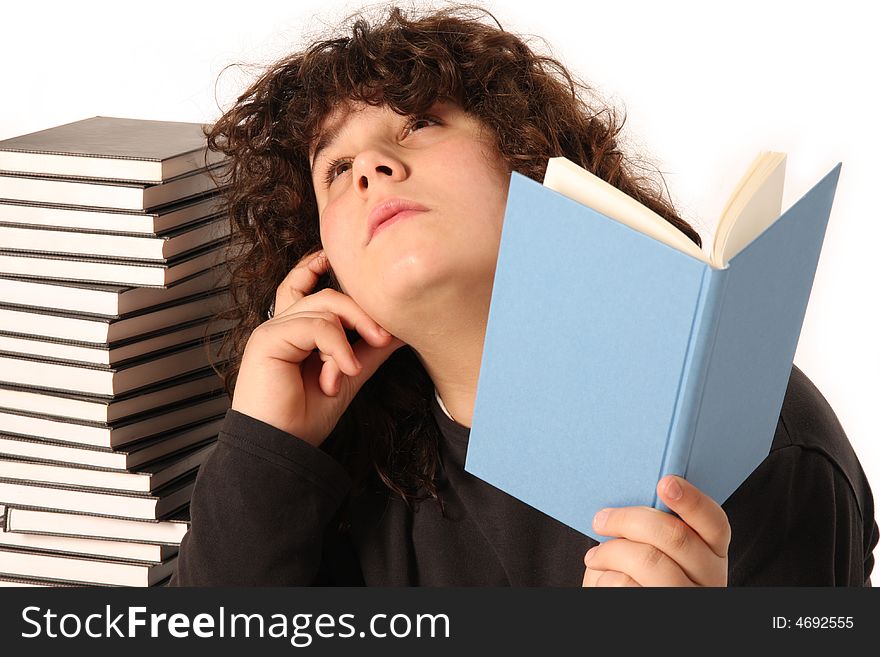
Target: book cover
{"points": [[111, 147], [612, 359]]}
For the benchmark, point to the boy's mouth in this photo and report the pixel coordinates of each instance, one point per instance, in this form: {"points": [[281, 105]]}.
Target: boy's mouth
{"points": [[390, 211]]}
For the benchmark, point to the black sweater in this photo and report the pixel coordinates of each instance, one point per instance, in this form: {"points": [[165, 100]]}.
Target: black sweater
{"points": [[264, 513]]}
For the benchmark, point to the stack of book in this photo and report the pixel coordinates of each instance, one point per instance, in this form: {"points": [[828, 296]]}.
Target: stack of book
{"points": [[112, 244]]}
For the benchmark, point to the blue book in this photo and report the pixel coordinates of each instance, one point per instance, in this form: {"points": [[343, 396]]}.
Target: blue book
{"points": [[616, 355]]}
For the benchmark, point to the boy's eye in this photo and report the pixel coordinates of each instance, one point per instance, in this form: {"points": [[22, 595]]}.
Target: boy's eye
{"points": [[417, 120], [334, 169]]}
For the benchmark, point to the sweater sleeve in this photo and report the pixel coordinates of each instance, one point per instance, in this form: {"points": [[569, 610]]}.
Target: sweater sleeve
{"points": [[260, 507], [798, 521]]}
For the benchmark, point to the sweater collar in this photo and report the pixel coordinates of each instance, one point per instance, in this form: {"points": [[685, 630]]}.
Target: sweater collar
{"points": [[451, 430]]}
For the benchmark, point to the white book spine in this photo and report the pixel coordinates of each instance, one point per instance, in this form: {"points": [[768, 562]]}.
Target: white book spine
{"points": [[33, 520], [74, 500], [82, 570], [84, 546], [71, 193]]}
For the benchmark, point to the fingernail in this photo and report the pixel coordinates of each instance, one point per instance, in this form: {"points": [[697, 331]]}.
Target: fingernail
{"points": [[673, 490], [382, 332], [600, 518], [590, 553], [357, 362]]}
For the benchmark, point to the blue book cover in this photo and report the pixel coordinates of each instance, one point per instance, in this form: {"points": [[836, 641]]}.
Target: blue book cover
{"points": [[612, 359]]}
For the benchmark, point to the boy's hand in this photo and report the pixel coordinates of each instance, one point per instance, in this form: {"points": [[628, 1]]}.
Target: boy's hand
{"points": [[655, 548], [299, 372]]}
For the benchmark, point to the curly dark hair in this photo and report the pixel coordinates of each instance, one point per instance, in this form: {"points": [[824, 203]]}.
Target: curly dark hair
{"points": [[534, 107]]}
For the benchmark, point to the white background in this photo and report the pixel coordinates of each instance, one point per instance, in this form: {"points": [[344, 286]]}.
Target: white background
{"points": [[705, 87]]}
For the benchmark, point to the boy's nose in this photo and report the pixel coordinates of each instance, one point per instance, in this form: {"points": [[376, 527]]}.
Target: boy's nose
{"points": [[364, 181], [374, 164]]}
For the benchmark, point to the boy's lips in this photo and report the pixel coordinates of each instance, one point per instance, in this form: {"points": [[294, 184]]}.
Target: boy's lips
{"points": [[387, 210]]}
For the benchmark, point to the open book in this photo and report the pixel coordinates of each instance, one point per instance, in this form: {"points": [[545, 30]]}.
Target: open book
{"points": [[754, 204], [617, 351]]}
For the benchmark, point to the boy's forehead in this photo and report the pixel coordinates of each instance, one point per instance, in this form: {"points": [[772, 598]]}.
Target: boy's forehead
{"points": [[335, 119], [339, 115]]}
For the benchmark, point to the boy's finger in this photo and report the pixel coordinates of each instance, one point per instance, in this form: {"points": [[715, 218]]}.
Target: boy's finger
{"points": [[613, 578], [591, 577], [607, 578], [343, 307], [644, 563], [699, 511], [664, 531], [300, 280]]}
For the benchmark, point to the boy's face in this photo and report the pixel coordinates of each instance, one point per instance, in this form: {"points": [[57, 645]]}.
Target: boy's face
{"points": [[443, 161]]}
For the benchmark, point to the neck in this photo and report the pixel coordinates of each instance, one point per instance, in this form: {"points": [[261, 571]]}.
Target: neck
{"points": [[455, 377], [451, 351]]}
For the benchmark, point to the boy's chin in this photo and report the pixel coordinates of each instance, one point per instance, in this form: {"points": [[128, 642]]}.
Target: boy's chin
{"points": [[428, 275], [411, 271], [401, 291]]}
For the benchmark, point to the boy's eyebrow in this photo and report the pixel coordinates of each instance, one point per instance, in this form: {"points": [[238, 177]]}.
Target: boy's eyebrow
{"points": [[330, 133], [327, 138]]}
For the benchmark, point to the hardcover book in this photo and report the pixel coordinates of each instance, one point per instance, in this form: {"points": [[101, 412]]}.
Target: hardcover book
{"points": [[101, 298], [120, 504], [83, 570], [90, 379], [89, 547], [106, 409], [156, 220], [135, 246], [146, 478], [111, 353], [617, 351], [116, 434], [111, 147], [96, 329], [168, 531], [128, 456], [118, 271], [106, 193]]}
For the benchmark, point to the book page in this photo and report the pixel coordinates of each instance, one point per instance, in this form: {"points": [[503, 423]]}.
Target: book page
{"points": [[755, 203], [578, 184]]}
